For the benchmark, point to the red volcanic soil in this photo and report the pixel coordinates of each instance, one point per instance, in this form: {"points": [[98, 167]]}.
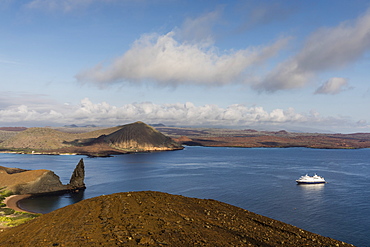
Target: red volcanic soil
{"points": [[157, 219]]}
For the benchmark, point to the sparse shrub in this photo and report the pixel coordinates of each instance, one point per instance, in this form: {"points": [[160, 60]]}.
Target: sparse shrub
{"points": [[18, 222], [7, 211], [5, 219], [21, 218], [4, 194]]}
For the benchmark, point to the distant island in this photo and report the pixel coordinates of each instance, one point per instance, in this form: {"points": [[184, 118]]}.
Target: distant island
{"points": [[249, 138], [140, 137], [135, 137]]}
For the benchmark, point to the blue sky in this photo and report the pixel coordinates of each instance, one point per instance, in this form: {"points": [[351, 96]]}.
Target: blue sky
{"points": [[295, 65]]}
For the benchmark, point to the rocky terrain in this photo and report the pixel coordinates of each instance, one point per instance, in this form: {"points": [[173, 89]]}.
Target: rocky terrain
{"points": [[20, 181], [139, 137], [157, 219], [252, 138], [135, 137]]}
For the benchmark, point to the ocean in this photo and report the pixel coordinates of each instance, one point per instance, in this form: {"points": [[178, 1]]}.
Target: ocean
{"points": [[261, 180]]}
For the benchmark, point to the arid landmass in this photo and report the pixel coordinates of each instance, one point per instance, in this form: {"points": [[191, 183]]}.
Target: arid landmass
{"points": [[135, 137], [139, 137], [252, 138], [157, 219]]}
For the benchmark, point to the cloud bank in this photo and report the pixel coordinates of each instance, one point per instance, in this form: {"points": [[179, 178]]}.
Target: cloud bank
{"points": [[186, 114], [324, 50], [165, 61], [187, 56]]}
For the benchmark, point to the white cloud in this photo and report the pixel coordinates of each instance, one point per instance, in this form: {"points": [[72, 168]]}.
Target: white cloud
{"points": [[177, 114], [187, 56], [163, 60], [333, 86], [326, 49]]}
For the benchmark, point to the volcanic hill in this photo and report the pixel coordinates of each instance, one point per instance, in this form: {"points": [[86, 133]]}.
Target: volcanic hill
{"points": [[140, 136], [135, 137], [157, 219]]}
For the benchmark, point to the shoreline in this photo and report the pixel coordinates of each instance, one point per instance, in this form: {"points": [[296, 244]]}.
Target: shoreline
{"points": [[13, 202]]}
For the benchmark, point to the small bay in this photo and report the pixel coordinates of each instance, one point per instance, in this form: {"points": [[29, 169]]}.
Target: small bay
{"points": [[261, 180]]}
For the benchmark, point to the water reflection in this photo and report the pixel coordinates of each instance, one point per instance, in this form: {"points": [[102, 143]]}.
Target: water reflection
{"points": [[46, 203], [308, 188], [76, 197], [312, 193], [33, 203]]}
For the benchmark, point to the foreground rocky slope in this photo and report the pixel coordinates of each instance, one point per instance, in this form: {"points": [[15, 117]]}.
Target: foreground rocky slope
{"points": [[157, 219]]}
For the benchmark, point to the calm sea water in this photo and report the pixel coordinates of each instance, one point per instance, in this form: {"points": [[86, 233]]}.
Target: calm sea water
{"points": [[261, 180]]}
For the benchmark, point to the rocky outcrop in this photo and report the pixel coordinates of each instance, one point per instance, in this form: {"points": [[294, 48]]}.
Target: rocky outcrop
{"points": [[42, 181], [77, 180]]}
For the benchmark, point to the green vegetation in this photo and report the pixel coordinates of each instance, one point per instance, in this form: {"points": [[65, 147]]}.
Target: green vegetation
{"points": [[17, 218], [6, 211], [4, 193], [20, 218], [9, 217]]}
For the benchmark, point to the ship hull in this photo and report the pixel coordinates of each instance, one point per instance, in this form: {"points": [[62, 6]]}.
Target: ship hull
{"points": [[315, 182]]}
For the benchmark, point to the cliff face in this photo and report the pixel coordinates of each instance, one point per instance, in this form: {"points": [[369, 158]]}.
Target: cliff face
{"points": [[46, 182], [20, 181]]}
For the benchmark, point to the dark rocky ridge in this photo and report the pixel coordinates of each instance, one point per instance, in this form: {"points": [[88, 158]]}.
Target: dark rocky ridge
{"points": [[157, 219]]}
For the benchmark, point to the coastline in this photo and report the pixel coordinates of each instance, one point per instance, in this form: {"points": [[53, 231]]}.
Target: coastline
{"points": [[12, 202]]}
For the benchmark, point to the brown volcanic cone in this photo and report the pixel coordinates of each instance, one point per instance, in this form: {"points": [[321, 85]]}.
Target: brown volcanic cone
{"points": [[140, 136], [157, 219]]}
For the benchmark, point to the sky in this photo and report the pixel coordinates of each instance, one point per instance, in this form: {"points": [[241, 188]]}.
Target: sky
{"points": [[252, 64]]}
